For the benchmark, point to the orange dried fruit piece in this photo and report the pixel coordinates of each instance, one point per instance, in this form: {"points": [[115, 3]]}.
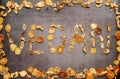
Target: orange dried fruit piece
{"points": [[17, 51], [30, 69], [33, 27], [79, 39], [40, 39], [43, 74], [31, 34], [52, 50], [92, 50], [72, 42], [117, 35], [1, 27], [1, 45], [110, 75], [36, 73], [1, 37], [98, 30], [3, 61], [60, 49], [90, 76]]}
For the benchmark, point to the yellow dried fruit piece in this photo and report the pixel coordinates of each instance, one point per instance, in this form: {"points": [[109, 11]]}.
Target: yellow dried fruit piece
{"points": [[43, 74], [1, 20], [93, 26], [109, 27], [72, 42], [23, 73], [31, 34], [92, 50], [48, 2], [33, 27], [60, 49], [17, 51], [118, 49], [8, 28], [50, 37], [1, 45], [13, 47], [3, 61], [36, 73], [52, 50], [51, 30], [118, 43], [30, 69], [1, 27], [116, 62], [63, 37]]}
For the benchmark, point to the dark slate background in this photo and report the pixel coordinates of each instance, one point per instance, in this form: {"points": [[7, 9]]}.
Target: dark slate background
{"points": [[68, 17]]}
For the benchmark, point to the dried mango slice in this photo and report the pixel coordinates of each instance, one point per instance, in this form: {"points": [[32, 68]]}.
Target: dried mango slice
{"points": [[17, 51], [13, 47]]}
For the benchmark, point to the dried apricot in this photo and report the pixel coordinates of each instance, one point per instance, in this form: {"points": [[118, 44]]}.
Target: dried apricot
{"points": [[79, 39], [110, 75], [40, 39]]}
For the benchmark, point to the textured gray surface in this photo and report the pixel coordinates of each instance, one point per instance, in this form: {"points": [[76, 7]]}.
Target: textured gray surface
{"points": [[68, 17]]}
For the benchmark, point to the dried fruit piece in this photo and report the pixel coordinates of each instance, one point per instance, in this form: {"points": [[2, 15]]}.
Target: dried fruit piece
{"points": [[60, 49], [117, 35], [17, 51], [31, 34], [30, 69], [63, 37], [110, 75], [102, 45], [108, 36], [1, 20], [50, 44], [118, 43], [36, 73], [33, 27], [43, 74], [32, 40], [118, 57], [32, 52], [40, 39], [118, 49], [101, 38], [3, 61], [109, 27], [93, 42], [108, 44], [72, 42], [48, 2], [93, 26], [22, 45], [85, 5], [84, 49], [1, 37], [98, 30], [40, 27], [1, 27], [62, 74], [70, 48], [13, 47], [8, 28], [77, 1], [23, 73], [90, 76], [92, 34], [60, 27], [51, 30], [40, 4], [50, 37], [106, 51], [92, 50], [40, 52], [116, 62], [79, 39], [64, 42], [52, 50]]}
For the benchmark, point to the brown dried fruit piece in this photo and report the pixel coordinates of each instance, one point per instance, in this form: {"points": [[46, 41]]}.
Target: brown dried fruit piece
{"points": [[60, 49], [1, 37], [117, 35], [98, 30], [110, 75], [40, 39], [62, 74]]}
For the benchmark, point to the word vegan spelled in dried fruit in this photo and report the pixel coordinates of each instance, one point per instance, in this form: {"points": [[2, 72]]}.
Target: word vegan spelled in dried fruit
{"points": [[55, 72]]}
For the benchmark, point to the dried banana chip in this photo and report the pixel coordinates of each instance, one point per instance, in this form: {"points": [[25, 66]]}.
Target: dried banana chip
{"points": [[51, 30], [108, 44], [22, 45], [99, 5], [17, 51], [101, 38], [98, 1], [23, 73], [84, 49], [31, 34], [93, 50], [8, 28], [1, 20], [109, 27], [40, 27], [13, 47], [70, 48], [52, 50], [50, 37], [93, 26]]}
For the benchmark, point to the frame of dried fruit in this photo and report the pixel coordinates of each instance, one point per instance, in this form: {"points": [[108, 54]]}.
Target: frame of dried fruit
{"points": [[55, 72]]}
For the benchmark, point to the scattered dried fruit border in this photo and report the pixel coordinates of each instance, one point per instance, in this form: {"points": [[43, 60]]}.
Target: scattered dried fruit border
{"points": [[55, 72]]}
